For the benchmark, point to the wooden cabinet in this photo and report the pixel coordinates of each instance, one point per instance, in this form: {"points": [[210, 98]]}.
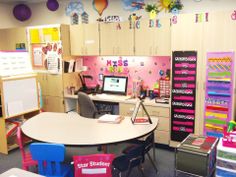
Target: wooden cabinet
{"points": [[84, 39], [11, 37], [153, 39], [162, 133], [19, 101], [116, 39], [214, 33], [52, 92]]}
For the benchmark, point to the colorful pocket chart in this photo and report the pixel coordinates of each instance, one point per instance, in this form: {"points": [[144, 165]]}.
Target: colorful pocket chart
{"points": [[219, 92], [183, 94]]}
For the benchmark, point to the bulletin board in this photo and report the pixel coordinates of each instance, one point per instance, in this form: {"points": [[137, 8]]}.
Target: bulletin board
{"points": [[219, 92], [184, 67], [20, 96], [14, 63]]}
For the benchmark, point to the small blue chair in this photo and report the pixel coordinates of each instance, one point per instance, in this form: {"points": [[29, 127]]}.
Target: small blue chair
{"points": [[50, 159]]}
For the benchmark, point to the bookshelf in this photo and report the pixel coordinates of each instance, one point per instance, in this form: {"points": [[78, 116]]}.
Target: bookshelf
{"points": [[19, 102]]}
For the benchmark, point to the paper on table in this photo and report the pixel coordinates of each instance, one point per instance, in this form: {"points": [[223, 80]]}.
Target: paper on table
{"points": [[109, 118]]}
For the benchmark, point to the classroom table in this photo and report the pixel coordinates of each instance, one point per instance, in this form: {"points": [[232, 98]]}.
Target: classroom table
{"points": [[16, 172], [72, 129]]}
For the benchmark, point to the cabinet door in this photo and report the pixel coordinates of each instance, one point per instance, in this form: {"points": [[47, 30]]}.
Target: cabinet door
{"points": [[54, 85], [188, 35], [53, 104], [91, 39], [117, 39], [42, 79], [76, 39], [108, 38], [125, 40], [144, 39], [162, 38], [126, 109]]}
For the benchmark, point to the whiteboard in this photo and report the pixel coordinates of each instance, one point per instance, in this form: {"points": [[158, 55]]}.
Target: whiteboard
{"points": [[20, 96]]}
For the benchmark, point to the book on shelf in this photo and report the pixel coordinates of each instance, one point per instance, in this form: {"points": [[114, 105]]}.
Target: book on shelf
{"points": [[11, 128], [109, 118]]}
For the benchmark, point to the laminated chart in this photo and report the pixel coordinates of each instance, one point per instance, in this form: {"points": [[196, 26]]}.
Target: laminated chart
{"points": [[184, 67], [219, 92]]}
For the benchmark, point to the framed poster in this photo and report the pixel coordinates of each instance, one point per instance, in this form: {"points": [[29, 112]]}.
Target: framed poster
{"points": [[219, 92], [184, 67]]}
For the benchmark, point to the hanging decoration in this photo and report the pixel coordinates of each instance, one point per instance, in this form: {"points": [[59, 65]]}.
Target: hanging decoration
{"points": [[172, 6], [175, 6], [133, 5], [52, 5], [152, 9], [74, 10], [100, 6], [22, 12], [233, 15]]}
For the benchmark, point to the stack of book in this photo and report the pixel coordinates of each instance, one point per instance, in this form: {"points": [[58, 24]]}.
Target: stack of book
{"points": [[108, 118]]}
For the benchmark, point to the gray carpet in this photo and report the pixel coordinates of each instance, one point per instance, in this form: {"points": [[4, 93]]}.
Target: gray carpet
{"points": [[164, 157]]}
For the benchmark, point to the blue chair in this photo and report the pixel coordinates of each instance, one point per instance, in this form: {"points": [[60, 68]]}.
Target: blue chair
{"points": [[50, 159]]}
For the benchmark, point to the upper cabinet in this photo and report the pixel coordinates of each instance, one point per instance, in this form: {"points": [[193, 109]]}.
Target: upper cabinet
{"points": [[116, 39], [84, 39], [152, 38]]}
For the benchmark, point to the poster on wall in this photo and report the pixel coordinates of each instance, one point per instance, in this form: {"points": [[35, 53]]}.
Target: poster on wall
{"points": [[219, 92], [184, 67]]}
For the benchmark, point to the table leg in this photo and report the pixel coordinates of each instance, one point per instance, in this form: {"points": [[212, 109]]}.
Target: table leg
{"points": [[154, 147]]}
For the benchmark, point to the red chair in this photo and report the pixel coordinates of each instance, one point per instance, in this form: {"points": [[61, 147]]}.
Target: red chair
{"points": [[94, 165], [27, 160]]}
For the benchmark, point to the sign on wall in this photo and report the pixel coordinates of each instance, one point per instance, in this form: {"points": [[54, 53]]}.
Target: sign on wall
{"points": [[184, 66]]}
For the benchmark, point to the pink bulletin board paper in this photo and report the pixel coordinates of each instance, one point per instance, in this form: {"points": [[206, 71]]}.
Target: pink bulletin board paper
{"points": [[219, 92], [136, 68]]}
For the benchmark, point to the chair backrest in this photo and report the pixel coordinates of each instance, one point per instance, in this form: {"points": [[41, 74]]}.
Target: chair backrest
{"points": [[135, 156], [86, 106], [49, 157], [148, 144], [94, 165]]}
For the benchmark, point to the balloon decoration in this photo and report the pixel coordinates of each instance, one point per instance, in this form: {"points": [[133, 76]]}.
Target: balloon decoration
{"points": [[100, 5], [52, 5], [22, 12]]}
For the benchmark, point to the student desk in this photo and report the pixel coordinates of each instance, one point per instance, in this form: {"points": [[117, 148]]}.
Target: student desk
{"points": [[16, 172], [76, 130]]}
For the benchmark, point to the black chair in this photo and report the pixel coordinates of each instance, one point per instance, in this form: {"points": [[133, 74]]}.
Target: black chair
{"points": [[126, 162], [86, 106], [148, 145]]}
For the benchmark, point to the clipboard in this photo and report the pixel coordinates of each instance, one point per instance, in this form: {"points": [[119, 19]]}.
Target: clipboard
{"points": [[134, 115]]}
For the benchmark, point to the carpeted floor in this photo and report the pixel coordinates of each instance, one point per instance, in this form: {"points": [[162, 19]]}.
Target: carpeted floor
{"points": [[164, 157]]}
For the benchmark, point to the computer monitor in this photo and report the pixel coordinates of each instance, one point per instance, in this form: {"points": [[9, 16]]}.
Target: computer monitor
{"points": [[115, 84]]}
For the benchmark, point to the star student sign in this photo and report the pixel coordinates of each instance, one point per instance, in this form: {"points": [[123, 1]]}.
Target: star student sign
{"points": [[119, 65]]}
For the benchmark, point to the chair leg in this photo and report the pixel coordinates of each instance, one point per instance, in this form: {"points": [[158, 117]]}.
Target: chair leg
{"points": [[152, 162], [141, 170]]}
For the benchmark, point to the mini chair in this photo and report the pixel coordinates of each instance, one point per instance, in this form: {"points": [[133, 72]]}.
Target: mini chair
{"points": [[50, 158], [87, 107], [148, 145], [27, 160], [94, 165], [126, 162]]}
